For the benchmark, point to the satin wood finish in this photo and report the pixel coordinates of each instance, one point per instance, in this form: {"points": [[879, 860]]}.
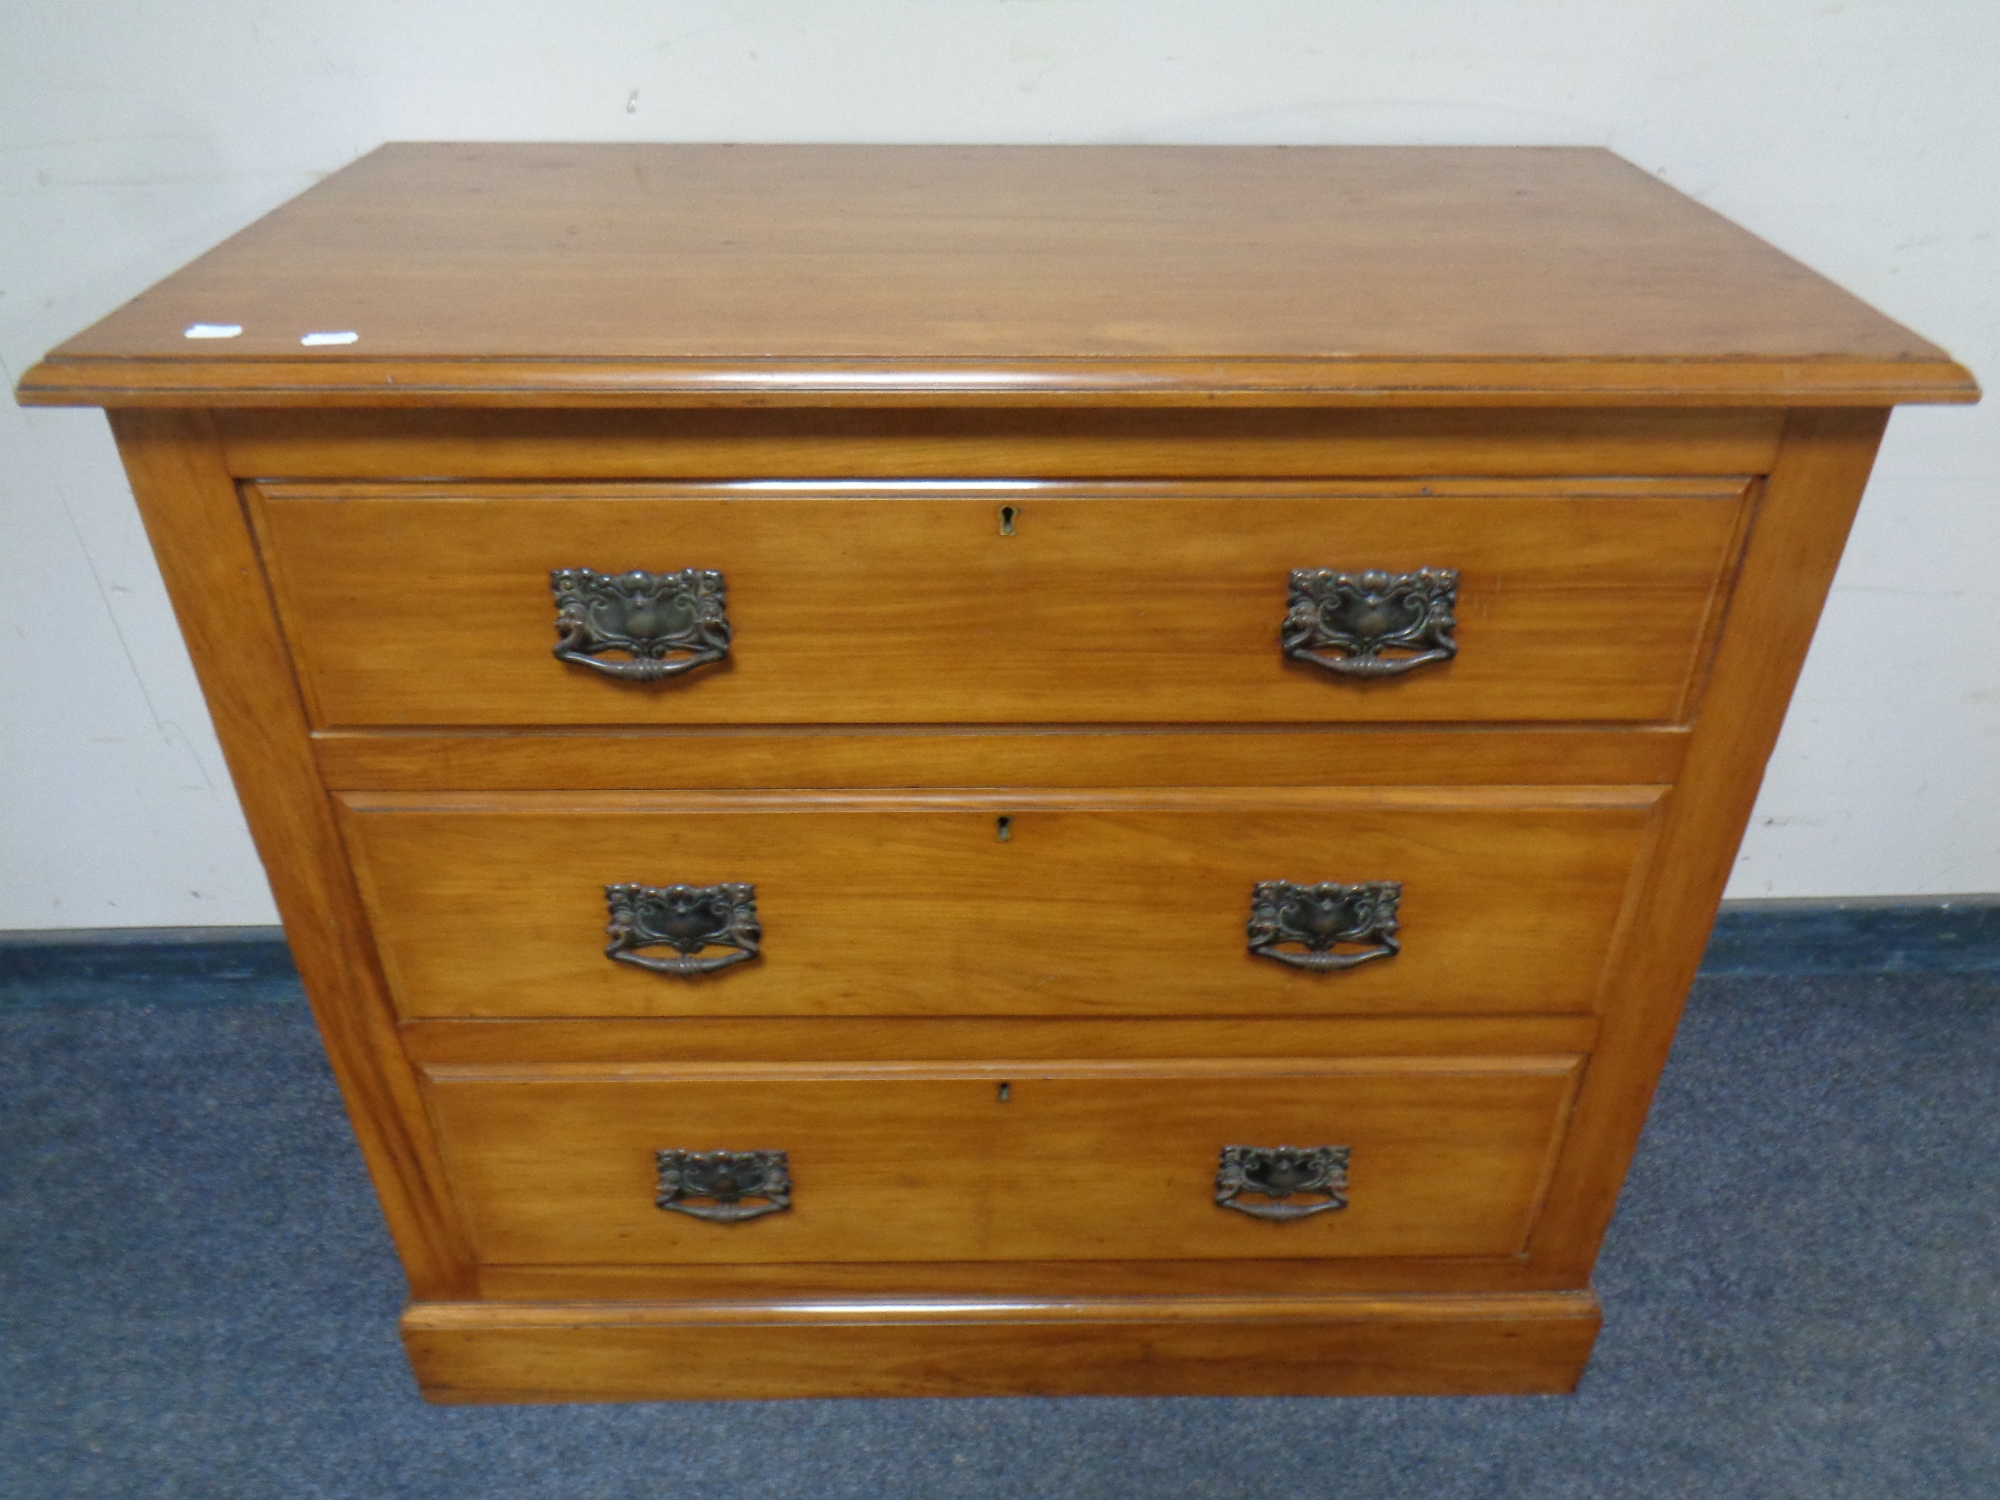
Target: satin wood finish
{"points": [[909, 904], [862, 756], [720, 275], [957, 1038], [1810, 501], [1436, 1345], [1100, 442], [428, 606], [973, 1283], [1003, 1068], [215, 579], [996, 1161]]}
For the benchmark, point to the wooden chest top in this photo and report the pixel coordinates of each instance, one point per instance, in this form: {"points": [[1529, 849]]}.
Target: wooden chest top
{"points": [[661, 274]]}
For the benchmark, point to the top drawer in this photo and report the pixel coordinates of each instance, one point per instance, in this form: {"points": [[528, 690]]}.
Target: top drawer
{"points": [[1001, 603]]}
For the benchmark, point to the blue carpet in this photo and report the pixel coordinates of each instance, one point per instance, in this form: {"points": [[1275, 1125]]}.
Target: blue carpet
{"points": [[1802, 1290]]}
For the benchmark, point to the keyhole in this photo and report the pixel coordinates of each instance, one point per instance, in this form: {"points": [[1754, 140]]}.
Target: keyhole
{"points": [[1003, 829], [1007, 514], [1006, 1089]]}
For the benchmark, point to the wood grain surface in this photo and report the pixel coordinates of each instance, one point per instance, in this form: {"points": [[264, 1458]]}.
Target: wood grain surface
{"points": [[1098, 903], [1518, 1343], [663, 757], [1023, 1280], [1795, 545], [209, 562], [870, 604], [992, 442], [973, 1038], [997, 1161], [806, 273]]}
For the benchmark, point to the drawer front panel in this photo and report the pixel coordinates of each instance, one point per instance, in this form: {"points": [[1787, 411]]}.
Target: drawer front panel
{"points": [[998, 1161], [433, 605], [962, 904]]}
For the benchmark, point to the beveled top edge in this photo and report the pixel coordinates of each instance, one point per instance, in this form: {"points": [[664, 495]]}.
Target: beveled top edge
{"points": [[116, 382]]}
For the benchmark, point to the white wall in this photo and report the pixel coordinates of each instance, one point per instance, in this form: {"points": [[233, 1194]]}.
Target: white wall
{"points": [[1863, 138]]}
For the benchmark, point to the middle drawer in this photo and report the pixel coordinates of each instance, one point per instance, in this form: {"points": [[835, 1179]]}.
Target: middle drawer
{"points": [[1249, 901]]}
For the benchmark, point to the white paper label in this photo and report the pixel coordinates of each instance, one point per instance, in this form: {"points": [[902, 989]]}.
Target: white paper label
{"points": [[211, 330], [314, 340]]}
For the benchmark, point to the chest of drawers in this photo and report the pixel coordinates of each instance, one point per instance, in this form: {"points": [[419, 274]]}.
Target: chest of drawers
{"points": [[974, 770]]}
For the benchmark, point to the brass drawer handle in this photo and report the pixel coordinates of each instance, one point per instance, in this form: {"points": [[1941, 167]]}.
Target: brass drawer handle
{"points": [[1323, 919], [686, 918], [1362, 615], [649, 616], [1278, 1173], [726, 1178]]}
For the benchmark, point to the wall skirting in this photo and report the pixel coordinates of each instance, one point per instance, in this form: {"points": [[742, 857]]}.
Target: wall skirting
{"points": [[146, 966], [1876, 935], [193, 965]]}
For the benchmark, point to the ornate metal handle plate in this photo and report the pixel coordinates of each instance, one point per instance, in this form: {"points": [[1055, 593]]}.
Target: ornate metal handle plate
{"points": [[667, 623], [1324, 919], [1345, 622], [686, 918], [1279, 1173], [725, 1179]]}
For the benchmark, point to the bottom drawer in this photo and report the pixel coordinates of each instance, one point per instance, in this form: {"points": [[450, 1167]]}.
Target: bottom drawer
{"points": [[1114, 1160]]}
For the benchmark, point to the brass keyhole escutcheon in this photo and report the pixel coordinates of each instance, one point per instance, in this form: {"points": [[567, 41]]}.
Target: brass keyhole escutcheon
{"points": [[1007, 514]]}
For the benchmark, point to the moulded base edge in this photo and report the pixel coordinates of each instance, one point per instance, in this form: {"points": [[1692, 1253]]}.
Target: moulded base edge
{"points": [[1435, 1345]]}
